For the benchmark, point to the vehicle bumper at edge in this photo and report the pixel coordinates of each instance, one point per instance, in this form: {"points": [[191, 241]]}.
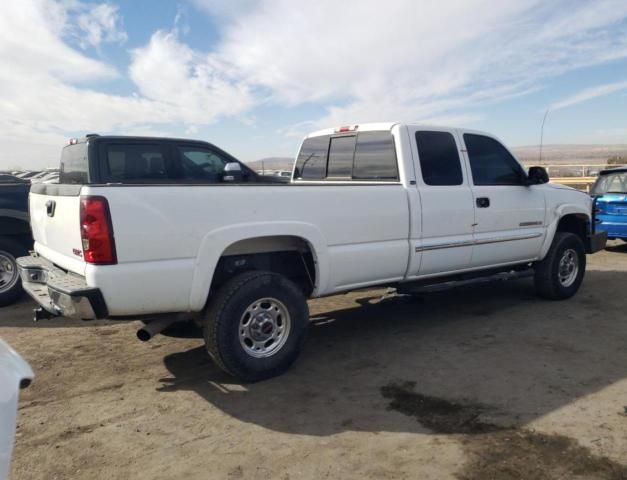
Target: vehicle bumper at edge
{"points": [[613, 227], [596, 242], [58, 292]]}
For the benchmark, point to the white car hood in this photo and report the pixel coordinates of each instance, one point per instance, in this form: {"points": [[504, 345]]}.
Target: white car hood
{"points": [[13, 370]]}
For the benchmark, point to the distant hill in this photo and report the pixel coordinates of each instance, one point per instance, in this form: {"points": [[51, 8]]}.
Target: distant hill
{"points": [[551, 154], [272, 163], [570, 154]]}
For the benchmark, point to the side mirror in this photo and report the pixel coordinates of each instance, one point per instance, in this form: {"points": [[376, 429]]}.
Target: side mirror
{"points": [[537, 176], [232, 172]]}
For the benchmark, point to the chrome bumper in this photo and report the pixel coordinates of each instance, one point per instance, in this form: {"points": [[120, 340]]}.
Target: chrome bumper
{"points": [[58, 292]]}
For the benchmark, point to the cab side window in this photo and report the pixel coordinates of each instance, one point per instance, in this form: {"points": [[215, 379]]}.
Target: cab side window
{"points": [[135, 163], [439, 158], [202, 165], [491, 163]]}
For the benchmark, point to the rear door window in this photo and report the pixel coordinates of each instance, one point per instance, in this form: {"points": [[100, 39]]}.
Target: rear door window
{"points": [[135, 163], [439, 158], [491, 163]]}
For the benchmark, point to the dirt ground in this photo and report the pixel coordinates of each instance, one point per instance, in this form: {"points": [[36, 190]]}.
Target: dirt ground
{"points": [[484, 382]]}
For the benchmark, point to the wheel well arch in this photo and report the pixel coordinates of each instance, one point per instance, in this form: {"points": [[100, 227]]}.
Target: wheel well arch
{"points": [[576, 223], [17, 228], [289, 255]]}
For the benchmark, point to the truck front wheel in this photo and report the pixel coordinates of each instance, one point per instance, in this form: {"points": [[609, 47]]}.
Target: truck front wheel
{"points": [[255, 325], [560, 274], [10, 284]]}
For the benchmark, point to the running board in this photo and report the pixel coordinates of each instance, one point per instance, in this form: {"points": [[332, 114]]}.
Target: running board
{"points": [[413, 288]]}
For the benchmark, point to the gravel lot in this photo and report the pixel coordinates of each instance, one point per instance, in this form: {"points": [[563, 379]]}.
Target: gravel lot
{"points": [[481, 382]]}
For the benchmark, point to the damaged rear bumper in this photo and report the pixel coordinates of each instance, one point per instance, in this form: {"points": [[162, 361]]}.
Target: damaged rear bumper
{"points": [[58, 292]]}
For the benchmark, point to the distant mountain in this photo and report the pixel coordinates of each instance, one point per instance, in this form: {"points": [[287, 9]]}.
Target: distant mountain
{"points": [[272, 163], [551, 154], [569, 154]]}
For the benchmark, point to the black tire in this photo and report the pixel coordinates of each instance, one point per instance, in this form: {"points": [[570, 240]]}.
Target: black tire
{"points": [[10, 290], [228, 307], [547, 272]]}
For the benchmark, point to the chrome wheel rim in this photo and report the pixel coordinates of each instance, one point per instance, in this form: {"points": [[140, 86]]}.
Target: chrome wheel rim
{"points": [[568, 268], [264, 327], [8, 271]]}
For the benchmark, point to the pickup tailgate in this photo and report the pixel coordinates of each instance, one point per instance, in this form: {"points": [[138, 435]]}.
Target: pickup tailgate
{"points": [[55, 221]]}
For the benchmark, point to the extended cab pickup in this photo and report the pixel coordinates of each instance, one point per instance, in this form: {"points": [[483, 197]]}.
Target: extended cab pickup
{"points": [[141, 226]]}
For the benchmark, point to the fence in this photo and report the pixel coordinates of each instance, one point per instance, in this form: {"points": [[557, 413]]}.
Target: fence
{"points": [[580, 177]]}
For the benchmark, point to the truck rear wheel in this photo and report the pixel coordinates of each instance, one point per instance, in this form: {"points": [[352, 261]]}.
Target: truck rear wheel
{"points": [[255, 325], [10, 284], [560, 274]]}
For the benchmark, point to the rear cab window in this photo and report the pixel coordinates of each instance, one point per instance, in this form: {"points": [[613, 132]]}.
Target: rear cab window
{"points": [[610, 183], [365, 156], [74, 165]]}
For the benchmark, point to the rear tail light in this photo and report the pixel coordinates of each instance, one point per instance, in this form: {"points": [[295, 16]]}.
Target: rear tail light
{"points": [[97, 231]]}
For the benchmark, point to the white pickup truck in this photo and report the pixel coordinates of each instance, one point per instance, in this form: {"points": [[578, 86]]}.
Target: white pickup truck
{"points": [[142, 226]]}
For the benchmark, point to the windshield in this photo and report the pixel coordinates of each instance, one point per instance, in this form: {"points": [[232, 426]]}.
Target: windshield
{"points": [[611, 183]]}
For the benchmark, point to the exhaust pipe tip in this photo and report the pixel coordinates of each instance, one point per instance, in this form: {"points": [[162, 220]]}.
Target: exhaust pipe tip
{"points": [[156, 326], [143, 335]]}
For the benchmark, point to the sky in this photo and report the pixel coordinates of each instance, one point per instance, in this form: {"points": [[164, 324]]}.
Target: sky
{"points": [[255, 76]]}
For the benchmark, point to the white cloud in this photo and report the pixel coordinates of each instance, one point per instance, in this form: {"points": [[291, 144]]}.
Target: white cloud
{"points": [[99, 24], [194, 88], [360, 60], [45, 98], [31, 44], [415, 60], [589, 94]]}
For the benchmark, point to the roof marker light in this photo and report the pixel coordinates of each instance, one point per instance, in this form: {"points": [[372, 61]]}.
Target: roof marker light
{"points": [[73, 141]]}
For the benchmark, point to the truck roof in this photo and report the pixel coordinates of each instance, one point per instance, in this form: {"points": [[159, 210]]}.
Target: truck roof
{"points": [[365, 127], [619, 169], [98, 138]]}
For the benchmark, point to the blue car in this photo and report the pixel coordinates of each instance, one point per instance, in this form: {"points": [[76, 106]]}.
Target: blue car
{"points": [[610, 192]]}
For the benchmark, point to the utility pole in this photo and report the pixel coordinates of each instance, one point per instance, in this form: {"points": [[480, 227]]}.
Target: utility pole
{"points": [[542, 134]]}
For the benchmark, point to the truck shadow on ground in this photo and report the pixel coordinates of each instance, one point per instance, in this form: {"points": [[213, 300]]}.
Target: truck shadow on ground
{"points": [[507, 355], [620, 247]]}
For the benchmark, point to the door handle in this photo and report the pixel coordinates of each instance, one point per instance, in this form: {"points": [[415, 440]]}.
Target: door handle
{"points": [[50, 207], [483, 202]]}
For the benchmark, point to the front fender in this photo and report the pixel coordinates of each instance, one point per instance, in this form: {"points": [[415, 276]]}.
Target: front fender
{"points": [[553, 218], [217, 241]]}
